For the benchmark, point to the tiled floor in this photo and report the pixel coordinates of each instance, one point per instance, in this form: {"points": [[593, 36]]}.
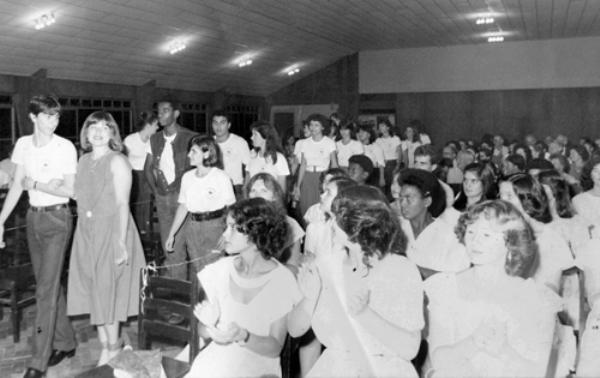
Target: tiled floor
{"points": [[15, 356]]}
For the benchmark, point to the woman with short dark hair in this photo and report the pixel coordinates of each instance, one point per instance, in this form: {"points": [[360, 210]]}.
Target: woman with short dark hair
{"points": [[248, 296], [491, 320]]}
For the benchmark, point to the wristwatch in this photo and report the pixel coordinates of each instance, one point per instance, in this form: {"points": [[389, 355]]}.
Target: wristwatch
{"points": [[243, 341]]}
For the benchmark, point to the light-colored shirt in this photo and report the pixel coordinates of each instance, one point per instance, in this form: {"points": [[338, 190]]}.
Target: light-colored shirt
{"points": [[208, 193], [317, 154], [345, 151], [259, 164], [167, 159], [389, 146], [375, 153], [52, 161], [236, 153], [136, 150]]}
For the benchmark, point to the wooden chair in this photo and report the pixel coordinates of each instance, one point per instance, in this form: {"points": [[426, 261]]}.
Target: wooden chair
{"points": [[162, 296], [17, 290]]}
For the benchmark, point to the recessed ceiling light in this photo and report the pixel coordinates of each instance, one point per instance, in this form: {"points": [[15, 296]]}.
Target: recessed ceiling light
{"points": [[484, 21], [245, 63], [44, 20], [176, 46], [496, 38], [293, 71]]}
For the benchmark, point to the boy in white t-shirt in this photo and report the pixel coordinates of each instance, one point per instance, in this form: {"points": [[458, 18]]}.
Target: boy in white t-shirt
{"points": [[234, 148], [45, 167]]}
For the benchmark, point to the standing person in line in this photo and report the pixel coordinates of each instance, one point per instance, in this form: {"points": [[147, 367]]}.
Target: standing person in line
{"points": [[392, 152], [45, 167], [235, 150], [317, 155], [366, 135], [348, 145], [267, 154], [166, 162], [137, 144], [205, 194], [107, 254]]}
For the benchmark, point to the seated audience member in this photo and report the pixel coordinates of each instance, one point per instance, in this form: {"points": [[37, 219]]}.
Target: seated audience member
{"points": [[204, 195], [366, 306], [513, 164], [267, 155], [360, 169], [587, 204], [539, 151], [479, 184], [265, 186], [536, 165], [491, 320], [426, 158], [499, 149], [314, 213], [432, 244], [578, 156], [248, 296], [527, 195], [366, 135], [562, 166], [348, 145], [523, 150]]}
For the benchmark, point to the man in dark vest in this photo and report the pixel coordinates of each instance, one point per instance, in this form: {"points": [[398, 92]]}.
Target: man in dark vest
{"points": [[166, 162]]}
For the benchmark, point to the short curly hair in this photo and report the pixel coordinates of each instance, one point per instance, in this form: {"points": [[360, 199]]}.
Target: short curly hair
{"points": [[522, 256], [262, 223], [364, 214]]}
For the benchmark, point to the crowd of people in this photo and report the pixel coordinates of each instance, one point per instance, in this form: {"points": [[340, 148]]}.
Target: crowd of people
{"points": [[376, 252]]}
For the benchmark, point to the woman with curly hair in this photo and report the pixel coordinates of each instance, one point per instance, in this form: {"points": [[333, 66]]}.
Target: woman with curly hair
{"points": [[248, 296], [267, 155], [367, 306], [491, 320]]}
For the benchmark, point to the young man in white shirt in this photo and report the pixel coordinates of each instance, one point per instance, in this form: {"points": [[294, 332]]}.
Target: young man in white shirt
{"points": [[234, 148], [45, 167], [166, 162]]}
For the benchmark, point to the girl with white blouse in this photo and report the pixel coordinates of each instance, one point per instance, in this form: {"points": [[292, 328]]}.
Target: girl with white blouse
{"points": [[348, 145], [267, 154], [366, 136], [392, 151]]}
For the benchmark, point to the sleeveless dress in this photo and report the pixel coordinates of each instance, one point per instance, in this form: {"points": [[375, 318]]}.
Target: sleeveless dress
{"points": [[97, 285]]}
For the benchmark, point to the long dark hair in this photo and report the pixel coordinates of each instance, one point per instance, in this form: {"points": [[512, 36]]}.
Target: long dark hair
{"points": [[271, 137]]}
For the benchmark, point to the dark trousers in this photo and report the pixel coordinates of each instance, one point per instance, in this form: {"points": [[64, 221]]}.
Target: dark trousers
{"points": [[166, 206], [140, 201], [48, 237]]}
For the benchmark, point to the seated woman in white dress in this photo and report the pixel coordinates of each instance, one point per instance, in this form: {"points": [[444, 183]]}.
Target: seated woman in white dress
{"points": [[491, 320], [366, 304], [587, 204], [248, 296]]}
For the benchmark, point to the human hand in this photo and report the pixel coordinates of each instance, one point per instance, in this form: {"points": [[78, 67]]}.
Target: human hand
{"points": [[490, 335], [122, 257], [27, 183], [357, 301], [207, 313], [226, 335], [309, 281]]}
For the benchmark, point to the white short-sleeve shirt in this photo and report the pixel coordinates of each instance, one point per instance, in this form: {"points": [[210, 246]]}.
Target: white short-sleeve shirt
{"points": [[318, 154], [236, 153], [209, 193], [389, 146], [136, 150], [258, 164], [345, 151], [375, 153], [52, 161]]}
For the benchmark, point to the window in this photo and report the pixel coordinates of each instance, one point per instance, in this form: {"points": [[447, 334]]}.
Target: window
{"points": [[8, 136], [75, 111], [193, 116], [242, 116]]}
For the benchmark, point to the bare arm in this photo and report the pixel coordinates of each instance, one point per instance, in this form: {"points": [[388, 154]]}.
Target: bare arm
{"points": [[300, 177], [121, 171], [333, 162], [11, 200], [180, 215], [56, 187]]}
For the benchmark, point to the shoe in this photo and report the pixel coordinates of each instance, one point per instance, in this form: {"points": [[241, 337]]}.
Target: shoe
{"points": [[58, 355], [34, 373]]}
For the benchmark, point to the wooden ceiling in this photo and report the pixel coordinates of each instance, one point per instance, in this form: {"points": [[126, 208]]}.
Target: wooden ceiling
{"points": [[123, 41]]}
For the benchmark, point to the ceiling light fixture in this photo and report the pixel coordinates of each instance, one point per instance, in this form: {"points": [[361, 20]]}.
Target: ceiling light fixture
{"points": [[245, 63], [176, 46], [293, 71], [484, 21], [44, 20], [496, 38]]}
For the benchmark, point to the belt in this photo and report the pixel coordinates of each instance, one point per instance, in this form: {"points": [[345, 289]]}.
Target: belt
{"points": [[199, 217], [45, 209], [314, 168]]}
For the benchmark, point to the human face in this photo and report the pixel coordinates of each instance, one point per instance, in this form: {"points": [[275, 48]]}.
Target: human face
{"points": [[508, 168], [575, 157], [99, 134], [554, 148], [520, 151], [383, 129], [166, 114], [45, 123], [410, 133], [257, 140], [557, 165], [234, 240], [507, 193], [530, 140], [345, 133], [220, 126], [485, 243], [472, 185], [259, 190], [316, 129], [498, 141], [363, 136], [329, 193], [412, 203], [395, 188], [424, 163], [306, 131], [357, 173], [448, 153], [196, 156]]}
